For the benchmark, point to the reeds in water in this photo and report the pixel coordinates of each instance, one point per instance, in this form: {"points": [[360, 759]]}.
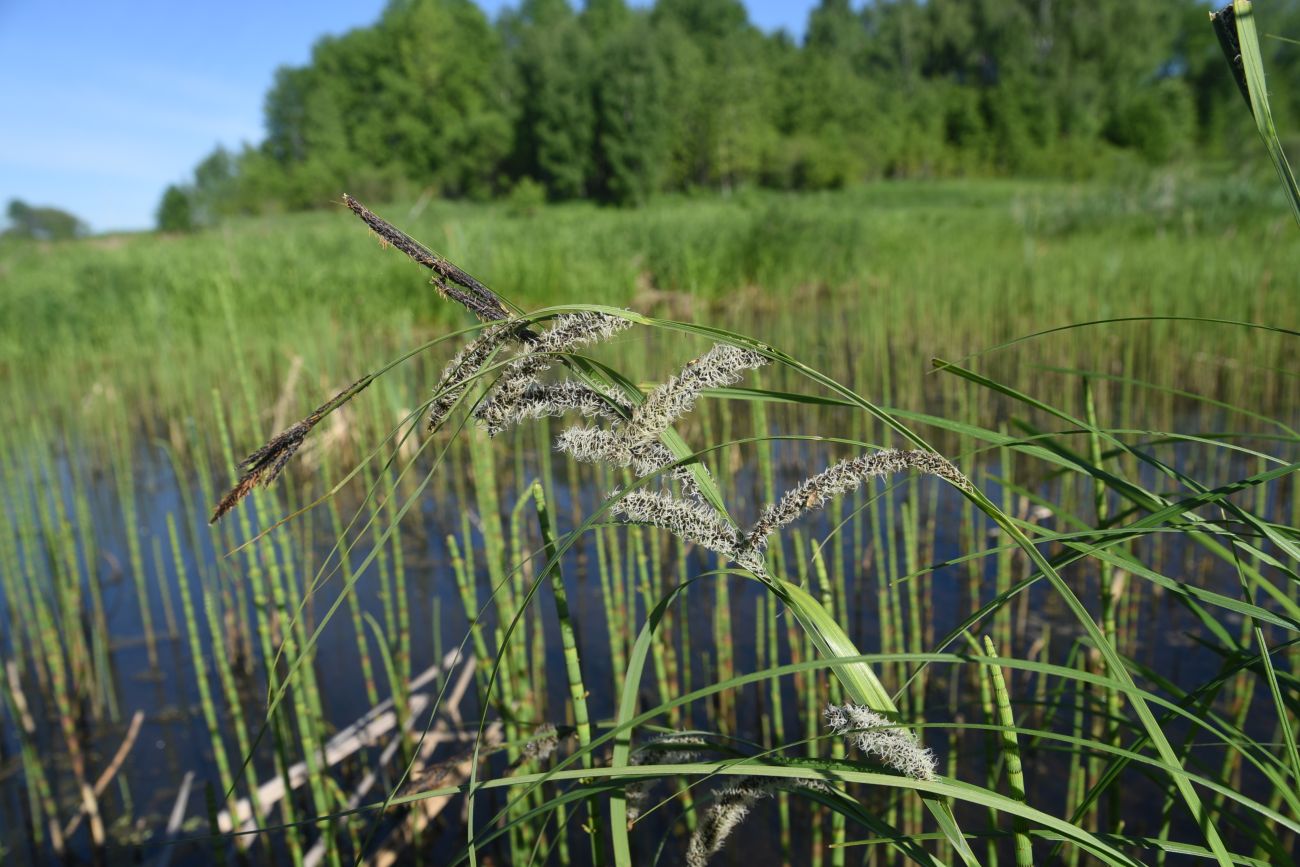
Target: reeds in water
{"points": [[668, 590]]}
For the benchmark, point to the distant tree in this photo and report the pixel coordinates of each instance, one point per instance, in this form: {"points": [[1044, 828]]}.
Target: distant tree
{"points": [[545, 13], [213, 194], [741, 126], [312, 116], [417, 97], [724, 84], [704, 20], [830, 125], [632, 106], [439, 101], [833, 28], [42, 223], [622, 100], [174, 211], [604, 18], [555, 121], [285, 113]]}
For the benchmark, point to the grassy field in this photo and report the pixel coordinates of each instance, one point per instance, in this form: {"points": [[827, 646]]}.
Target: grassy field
{"points": [[908, 270], [1127, 546]]}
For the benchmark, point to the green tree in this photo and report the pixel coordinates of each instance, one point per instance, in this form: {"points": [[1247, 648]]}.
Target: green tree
{"points": [[704, 20], [415, 98], [306, 131], [174, 212], [722, 77], [617, 103], [604, 19], [632, 107], [833, 29], [42, 223], [440, 104], [555, 124], [213, 193], [285, 114]]}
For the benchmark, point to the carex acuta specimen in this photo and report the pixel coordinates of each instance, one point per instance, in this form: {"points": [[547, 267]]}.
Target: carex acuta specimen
{"points": [[265, 465]]}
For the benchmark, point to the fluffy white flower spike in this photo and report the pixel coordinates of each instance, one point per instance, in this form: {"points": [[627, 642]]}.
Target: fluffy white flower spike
{"points": [[730, 807], [676, 748], [876, 736], [569, 332], [722, 365], [691, 520], [815, 491], [465, 364]]}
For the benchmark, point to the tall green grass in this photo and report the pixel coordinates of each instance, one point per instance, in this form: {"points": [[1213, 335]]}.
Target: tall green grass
{"points": [[1133, 484], [1129, 706]]}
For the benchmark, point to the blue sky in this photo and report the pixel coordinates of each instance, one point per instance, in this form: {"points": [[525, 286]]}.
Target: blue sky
{"points": [[103, 104]]}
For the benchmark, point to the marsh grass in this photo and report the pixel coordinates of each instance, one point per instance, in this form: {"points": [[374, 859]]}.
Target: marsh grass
{"points": [[1143, 468], [702, 520]]}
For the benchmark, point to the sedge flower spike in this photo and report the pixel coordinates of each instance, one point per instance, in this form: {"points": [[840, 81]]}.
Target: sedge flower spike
{"points": [[568, 333], [674, 748], [551, 400], [466, 364], [543, 744], [597, 446], [691, 520], [451, 281], [815, 491], [731, 805], [636, 443], [263, 466], [721, 366], [876, 736], [696, 521]]}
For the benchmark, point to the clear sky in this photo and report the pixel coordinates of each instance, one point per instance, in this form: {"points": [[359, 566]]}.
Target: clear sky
{"points": [[103, 104]]}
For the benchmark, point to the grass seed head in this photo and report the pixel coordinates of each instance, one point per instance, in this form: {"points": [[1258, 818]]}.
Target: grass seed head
{"points": [[548, 401], [466, 364], [543, 744], [691, 520], [816, 491], [731, 805], [875, 735], [676, 748], [568, 333], [263, 466], [721, 366]]}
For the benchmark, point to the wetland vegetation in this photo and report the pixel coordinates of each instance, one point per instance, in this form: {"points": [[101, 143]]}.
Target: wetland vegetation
{"points": [[1124, 550]]}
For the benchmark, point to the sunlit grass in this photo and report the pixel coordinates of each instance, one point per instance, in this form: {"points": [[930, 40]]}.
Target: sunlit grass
{"points": [[1119, 470]]}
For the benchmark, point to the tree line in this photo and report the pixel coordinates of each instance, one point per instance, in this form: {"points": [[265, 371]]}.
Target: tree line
{"points": [[29, 222], [617, 103]]}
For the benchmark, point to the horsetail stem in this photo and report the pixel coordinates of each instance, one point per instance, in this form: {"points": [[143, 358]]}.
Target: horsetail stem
{"points": [[1010, 750]]}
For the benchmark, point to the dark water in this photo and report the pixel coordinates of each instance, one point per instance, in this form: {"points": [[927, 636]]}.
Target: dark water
{"points": [[174, 739]]}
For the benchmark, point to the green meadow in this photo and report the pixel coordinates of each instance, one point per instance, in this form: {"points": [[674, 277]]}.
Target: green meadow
{"points": [[895, 272], [1095, 636]]}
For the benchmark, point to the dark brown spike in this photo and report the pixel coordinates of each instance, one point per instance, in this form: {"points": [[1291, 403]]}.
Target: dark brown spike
{"points": [[242, 489], [264, 465], [450, 281], [1225, 28]]}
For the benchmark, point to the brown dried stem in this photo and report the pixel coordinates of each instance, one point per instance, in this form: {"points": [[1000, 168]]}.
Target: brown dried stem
{"points": [[132, 732]]}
